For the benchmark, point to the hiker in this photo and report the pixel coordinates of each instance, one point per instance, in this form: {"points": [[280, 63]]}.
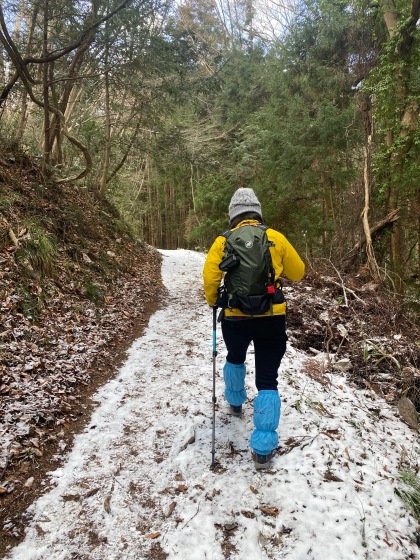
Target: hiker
{"points": [[259, 318]]}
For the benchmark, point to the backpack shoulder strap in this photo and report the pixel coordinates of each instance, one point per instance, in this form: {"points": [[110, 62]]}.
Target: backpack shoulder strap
{"points": [[229, 232], [263, 227]]}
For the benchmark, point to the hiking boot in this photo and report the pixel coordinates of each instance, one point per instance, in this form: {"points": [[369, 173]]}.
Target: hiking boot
{"points": [[262, 462], [236, 410]]}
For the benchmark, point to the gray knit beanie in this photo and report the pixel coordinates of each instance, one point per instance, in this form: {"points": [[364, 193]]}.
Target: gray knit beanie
{"points": [[244, 200]]}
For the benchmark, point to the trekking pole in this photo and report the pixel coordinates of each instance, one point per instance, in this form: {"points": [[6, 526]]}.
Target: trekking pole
{"points": [[213, 435]]}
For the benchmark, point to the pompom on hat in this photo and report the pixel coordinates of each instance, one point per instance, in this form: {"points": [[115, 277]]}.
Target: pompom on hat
{"points": [[244, 200]]}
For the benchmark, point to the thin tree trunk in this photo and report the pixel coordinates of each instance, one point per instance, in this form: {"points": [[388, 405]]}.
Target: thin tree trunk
{"points": [[159, 219], [56, 127], [192, 191], [325, 216], [149, 214], [333, 214], [21, 64], [371, 260], [389, 219], [23, 117], [107, 155], [46, 158], [408, 122], [418, 233], [125, 155]]}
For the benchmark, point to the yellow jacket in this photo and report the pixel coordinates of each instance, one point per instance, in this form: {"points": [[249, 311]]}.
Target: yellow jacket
{"points": [[284, 258]]}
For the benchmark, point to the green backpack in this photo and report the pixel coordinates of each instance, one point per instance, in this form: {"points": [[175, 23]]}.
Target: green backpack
{"points": [[249, 275]]}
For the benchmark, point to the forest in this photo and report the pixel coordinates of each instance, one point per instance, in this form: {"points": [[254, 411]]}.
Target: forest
{"points": [[166, 108], [125, 128]]}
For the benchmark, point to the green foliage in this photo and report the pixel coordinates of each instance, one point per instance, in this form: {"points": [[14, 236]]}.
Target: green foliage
{"points": [[199, 107], [283, 121], [394, 85], [29, 302], [409, 491], [8, 200], [94, 292], [295, 146], [123, 228], [214, 193], [205, 233], [240, 92], [38, 249]]}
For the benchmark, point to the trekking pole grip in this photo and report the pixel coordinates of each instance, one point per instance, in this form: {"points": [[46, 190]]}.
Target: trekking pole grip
{"points": [[214, 330]]}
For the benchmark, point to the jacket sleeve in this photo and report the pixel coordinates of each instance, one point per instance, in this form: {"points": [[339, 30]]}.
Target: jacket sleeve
{"points": [[212, 275], [285, 257]]}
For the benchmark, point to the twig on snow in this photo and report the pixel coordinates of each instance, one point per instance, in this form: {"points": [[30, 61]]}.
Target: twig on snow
{"points": [[198, 509]]}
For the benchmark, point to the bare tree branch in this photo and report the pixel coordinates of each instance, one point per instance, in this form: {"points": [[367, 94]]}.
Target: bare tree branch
{"points": [[21, 63]]}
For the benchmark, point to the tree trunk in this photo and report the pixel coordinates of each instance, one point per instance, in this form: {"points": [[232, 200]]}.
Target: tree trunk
{"points": [[401, 141], [377, 228], [107, 155], [371, 260], [57, 132], [45, 89], [23, 117]]}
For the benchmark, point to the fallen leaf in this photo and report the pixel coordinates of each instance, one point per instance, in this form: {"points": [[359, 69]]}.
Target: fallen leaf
{"points": [[248, 514], [387, 542], [40, 530], [332, 434], [272, 511], [107, 503], [330, 476], [91, 492], [71, 497], [153, 535], [171, 509]]}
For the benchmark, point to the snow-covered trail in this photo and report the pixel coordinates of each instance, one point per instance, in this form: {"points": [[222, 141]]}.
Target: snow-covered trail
{"points": [[137, 484]]}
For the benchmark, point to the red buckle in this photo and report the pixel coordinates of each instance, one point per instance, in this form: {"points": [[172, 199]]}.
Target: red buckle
{"points": [[271, 289]]}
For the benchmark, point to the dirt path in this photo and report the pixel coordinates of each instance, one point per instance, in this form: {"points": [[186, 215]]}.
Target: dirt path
{"points": [[137, 484]]}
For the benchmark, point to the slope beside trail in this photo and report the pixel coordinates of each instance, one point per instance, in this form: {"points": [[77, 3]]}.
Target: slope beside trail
{"points": [[137, 483]]}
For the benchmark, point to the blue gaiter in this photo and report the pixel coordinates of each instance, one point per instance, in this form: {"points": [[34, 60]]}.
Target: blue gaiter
{"points": [[234, 376], [267, 405]]}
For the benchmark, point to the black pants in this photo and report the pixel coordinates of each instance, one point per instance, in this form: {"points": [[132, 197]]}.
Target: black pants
{"points": [[269, 337]]}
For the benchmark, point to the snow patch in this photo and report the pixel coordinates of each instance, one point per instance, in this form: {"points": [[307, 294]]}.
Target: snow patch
{"points": [[139, 476]]}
